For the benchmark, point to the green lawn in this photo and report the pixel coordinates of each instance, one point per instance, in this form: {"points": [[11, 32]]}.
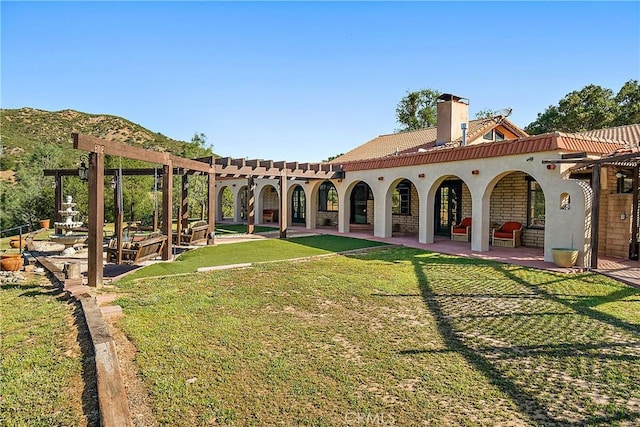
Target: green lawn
{"points": [[394, 335], [254, 251], [223, 229], [41, 366]]}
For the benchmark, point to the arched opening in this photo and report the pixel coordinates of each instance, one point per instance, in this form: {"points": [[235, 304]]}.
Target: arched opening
{"points": [[226, 203], [298, 205], [404, 208], [361, 201], [518, 197], [243, 199], [452, 203], [269, 205], [327, 204]]}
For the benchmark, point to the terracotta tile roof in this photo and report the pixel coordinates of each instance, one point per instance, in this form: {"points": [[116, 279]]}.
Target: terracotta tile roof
{"points": [[629, 134], [423, 139], [539, 143]]}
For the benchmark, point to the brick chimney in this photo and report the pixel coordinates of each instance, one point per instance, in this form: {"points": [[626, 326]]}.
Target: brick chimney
{"points": [[452, 112]]}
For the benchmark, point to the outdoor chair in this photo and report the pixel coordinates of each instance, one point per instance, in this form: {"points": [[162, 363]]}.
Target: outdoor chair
{"points": [[196, 233], [508, 235], [462, 232]]}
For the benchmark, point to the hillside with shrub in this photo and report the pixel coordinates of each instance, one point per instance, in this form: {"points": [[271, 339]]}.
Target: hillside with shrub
{"points": [[34, 140]]}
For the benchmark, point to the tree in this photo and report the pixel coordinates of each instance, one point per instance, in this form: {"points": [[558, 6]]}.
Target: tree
{"points": [[628, 100], [487, 113], [592, 107], [333, 157], [417, 110]]}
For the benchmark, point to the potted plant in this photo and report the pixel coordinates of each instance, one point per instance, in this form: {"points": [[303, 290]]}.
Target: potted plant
{"points": [[45, 223], [11, 261], [565, 257]]}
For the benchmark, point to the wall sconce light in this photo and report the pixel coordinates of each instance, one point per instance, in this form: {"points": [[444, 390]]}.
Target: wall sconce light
{"points": [[54, 184], [623, 216], [113, 182], [620, 175], [420, 175], [475, 172], [551, 166], [530, 159], [83, 170], [380, 178]]}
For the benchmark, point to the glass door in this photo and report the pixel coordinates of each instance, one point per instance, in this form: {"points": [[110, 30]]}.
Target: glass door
{"points": [[448, 207], [299, 205]]}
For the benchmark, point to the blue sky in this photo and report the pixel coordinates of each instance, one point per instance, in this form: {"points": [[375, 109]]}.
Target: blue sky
{"points": [[303, 80]]}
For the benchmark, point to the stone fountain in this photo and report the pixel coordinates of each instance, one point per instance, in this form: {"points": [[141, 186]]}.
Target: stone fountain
{"points": [[68, 238]]}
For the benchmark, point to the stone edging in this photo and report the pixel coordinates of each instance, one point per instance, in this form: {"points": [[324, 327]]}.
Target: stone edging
{"points": [[112, 398]]}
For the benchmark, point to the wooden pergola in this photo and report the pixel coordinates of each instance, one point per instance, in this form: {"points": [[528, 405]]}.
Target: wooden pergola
{"points": [[220, 167], [626, 160]]}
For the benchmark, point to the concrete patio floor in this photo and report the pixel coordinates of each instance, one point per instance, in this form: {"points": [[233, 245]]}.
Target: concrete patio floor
{"points": [[624, 270]]}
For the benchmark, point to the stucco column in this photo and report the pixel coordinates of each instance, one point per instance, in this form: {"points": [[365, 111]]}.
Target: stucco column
{"points": [[311, 206], [237, 203], [423, 218], [344, 208], [382, 213], [480, 226]]}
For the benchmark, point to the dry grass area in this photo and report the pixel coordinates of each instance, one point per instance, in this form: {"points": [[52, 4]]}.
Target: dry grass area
{"points": [[47, 370], [392, 336]]}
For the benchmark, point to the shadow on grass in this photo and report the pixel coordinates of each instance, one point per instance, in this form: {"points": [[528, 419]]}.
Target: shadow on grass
{"points": [[536, 377], [335, 243], [526, 403]]}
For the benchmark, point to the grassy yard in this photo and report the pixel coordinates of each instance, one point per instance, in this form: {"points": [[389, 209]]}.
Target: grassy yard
{"points": [[223, 229], [41, 366], [391, 336], [256, 251]]}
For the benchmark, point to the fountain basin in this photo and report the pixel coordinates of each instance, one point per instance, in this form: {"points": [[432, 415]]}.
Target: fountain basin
{"points": [[68, 240]]}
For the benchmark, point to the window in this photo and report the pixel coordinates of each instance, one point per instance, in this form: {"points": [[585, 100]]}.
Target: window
{"points": [[493, 135], [401, 202], [535, 204], [327, 197], [624, 181]]}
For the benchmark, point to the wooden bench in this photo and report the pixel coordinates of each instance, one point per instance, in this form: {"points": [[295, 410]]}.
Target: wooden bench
{"points": [[138, 250], [194, 234]]}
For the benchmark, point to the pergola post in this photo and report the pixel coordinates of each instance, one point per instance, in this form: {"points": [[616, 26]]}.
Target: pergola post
{"points": [[167, 220], [284, 215], [595, 214], [118, 215], [251, 195], [96, 215], [58, 200], [633, 251], [184, 222], [211, 208]]}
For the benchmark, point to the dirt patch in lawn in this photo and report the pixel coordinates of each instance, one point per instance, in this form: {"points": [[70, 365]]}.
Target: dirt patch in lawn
{"points": [[137, 394]]}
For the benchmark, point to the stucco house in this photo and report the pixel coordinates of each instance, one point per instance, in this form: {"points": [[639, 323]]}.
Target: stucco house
{"points": [[420, 183]]}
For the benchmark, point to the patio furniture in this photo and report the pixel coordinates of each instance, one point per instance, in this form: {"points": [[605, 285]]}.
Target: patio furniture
{"points": [[140, 248], [508, 235], [461, 232], [196, 233], [269, 215]]}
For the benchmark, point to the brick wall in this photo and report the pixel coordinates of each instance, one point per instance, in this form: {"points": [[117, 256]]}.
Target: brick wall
{"points": [[617, 231], [408, 223], [322, 217], [509, 203], [270, 199]]}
